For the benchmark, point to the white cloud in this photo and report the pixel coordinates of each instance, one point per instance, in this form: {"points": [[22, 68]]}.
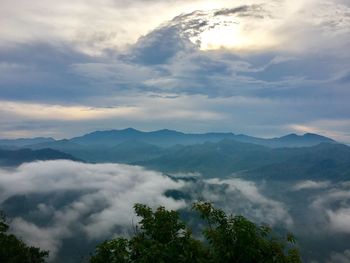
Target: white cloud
{"points": [[148, 112], [106, 194], [103, 197], [333, 208], [245, 198], [68, 200], [337, 257], [88, 25], [339, 220], [309, 184], [92, 27]]}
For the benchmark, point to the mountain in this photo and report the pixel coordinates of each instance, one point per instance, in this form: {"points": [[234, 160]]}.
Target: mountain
{"points": [[126, 152], [161, 138], [22, 142], [10, 158], [131, 151], [60, 145], [321, 162], [211, 154], [108, 138], [290, 140], [167, 138], [328, 161], [308, 139], [211, 159]]}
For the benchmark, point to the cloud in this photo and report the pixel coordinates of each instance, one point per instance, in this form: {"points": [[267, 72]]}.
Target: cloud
{"points": [[41, 72], [65, 205], [256, 11], [144, 112], [64, 113], [309, 184], [337, 257], [104, 197], [333, 206], [66, 200], [118, 24], [265, 76], [334, 128], [46, 238], [235, 10], [88, 26], [159, 46], [191, 113], [244, 197], [340, 219]]}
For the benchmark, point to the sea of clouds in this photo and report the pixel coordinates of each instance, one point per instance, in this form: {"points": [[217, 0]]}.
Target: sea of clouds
{"points": [[50, 202]]}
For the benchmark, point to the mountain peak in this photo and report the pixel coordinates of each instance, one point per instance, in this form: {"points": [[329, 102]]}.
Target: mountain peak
{"points": [[130, 129], [290, 135], [309, 134], [167, 131]]}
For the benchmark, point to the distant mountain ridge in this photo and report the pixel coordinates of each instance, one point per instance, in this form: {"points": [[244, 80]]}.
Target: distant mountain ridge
{"points": [[22, 142], [209, 154], [10, 158], [166, 138]]}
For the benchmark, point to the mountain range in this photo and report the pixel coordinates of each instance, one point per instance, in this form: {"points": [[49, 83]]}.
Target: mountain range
{"points": [[165, 138], [308, 156]]}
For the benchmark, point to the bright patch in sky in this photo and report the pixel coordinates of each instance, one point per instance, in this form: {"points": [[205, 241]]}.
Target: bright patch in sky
{"points": [[233, 35]]}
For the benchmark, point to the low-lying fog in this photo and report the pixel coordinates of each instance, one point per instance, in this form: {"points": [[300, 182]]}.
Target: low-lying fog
{"points": [[68, 207]]}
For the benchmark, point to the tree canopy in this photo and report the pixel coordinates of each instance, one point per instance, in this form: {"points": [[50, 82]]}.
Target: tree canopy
{"points": [[163, 237]]}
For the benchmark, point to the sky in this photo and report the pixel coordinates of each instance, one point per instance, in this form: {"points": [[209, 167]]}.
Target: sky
{"points": [[263, 68]]}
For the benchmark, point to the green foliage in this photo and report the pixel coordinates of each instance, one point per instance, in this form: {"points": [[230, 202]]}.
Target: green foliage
{"points": [[14, 250], [163, 237], [236, 239]]}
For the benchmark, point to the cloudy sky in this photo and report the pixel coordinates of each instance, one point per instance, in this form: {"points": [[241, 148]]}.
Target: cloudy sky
{"points": [[263, 68]]}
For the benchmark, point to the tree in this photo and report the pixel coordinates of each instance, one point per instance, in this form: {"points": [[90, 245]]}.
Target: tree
{"points": [[163, 237], [236, 239], [14, 250]]}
